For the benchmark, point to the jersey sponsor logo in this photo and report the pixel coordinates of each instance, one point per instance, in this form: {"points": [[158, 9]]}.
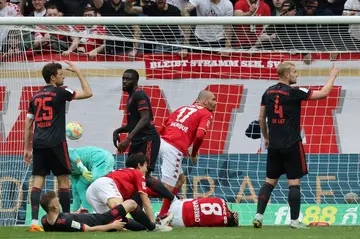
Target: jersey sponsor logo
{"points": [[180, 126], [76, 225]]}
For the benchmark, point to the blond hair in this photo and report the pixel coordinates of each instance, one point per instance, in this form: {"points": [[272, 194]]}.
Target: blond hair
{"points": [[284, 67]]}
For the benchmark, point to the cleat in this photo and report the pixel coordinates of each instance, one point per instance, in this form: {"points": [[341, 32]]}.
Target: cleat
{"points": [[162, 228], [36, 228], [298, 225], [257, 222], [165, 221]]}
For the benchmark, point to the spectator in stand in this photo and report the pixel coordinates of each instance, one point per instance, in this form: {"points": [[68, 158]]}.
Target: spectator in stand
{"points": [[90, 46], [313, 37], [70, 7], [177, 3], [275, 7], [27, 6], [39, 8], [350, 35], [162, 34], [116, 8], [8, 39], [217, 36], [55, 42], [247, 35]]}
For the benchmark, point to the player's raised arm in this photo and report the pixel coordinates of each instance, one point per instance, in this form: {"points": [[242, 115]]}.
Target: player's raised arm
{"points": [[326, 89], [86, 89]]}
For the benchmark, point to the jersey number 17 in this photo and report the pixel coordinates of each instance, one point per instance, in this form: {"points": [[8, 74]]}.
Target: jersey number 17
{"points": [[182, 116]]}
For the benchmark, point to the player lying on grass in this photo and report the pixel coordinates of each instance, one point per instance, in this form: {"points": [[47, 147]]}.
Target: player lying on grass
{"points": [[202, 212], [114, 219], [87, 164], [185, 127], [119, 185]]}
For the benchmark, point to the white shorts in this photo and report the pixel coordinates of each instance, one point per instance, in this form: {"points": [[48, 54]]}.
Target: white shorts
{"points": [[176, 208], [99, 192], [171, 163]]}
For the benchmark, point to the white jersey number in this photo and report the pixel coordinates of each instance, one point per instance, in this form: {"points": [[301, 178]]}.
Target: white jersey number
{"points": [[211, 209], [182, 116]]}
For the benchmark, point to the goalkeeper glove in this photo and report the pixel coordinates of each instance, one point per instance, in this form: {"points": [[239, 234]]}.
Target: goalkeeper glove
{"points": [[87, 175]]}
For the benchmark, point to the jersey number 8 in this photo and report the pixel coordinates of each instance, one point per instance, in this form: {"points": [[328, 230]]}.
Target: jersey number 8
{"points": [[211, 209]]}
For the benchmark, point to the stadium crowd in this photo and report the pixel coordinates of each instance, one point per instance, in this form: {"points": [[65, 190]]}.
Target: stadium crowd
{"points": [[170, 38]]}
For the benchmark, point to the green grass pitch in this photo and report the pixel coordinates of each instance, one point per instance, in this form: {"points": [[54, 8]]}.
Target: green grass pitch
{"points": [[269, 232]]}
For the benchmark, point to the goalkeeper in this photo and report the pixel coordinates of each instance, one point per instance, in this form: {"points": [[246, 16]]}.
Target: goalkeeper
{"points": [[87, 164]]}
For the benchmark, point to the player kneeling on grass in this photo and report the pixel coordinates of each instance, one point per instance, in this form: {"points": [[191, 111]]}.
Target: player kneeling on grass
{"points": [[55, 220], [119, 185], [87, 164], [202, 212]]}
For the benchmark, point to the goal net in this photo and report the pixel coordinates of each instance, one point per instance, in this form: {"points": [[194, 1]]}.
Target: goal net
{"points": [[236, 60]]}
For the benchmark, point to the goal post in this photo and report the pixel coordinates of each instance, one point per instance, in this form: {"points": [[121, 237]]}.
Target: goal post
{"points": [[232, 160]]}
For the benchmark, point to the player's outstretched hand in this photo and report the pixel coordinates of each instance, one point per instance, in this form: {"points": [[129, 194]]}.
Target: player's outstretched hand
{"points": [[28, 156], [124, 145], [72, 67], [334, 71], [118, 225]]}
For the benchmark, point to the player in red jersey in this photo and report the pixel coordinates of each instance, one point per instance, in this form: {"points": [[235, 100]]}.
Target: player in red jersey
{"points": [[203, 212], [186, 126], [119, 185]]}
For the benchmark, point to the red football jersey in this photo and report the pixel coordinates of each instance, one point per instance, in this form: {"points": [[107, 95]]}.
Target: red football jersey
{"points": [[248, 34], [205, 212], [128, 181], [181, 126]]}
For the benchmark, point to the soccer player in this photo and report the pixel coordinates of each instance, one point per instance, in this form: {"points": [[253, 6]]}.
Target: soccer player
{"points": [[203, 212], [119, 185], [87, 164], [186, 126], [142, 133], [56, 221], [281, 105], [49, 147]]}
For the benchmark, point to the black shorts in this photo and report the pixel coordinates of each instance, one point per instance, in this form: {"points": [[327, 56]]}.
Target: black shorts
{"points": [[290, 161], [55, 160], [149, 146]]}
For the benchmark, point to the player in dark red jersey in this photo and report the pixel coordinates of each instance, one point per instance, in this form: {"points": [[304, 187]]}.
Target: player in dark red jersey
{"points": [[186, 126], [281, 108], [142, 133], [119, 185], [49, 147], [203, 212]]}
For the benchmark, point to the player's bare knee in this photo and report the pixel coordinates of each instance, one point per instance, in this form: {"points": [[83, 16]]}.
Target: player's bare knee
{"points": [[129, 205], [113, 202], [63, 181], [271, 181], [294, 182], [180, 181], [39, 181]]}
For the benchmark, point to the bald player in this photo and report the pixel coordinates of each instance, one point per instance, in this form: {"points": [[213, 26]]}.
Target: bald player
{"points": [[185, 127]]}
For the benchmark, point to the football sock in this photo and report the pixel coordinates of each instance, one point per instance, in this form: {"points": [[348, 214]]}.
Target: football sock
{"points": [[133, 225], [35, 202], [264, 196], [159, 188], [64, 198], [139, 215], [294, 201], [167, 203]]}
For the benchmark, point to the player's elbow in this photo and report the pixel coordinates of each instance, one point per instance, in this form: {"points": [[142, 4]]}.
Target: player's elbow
{"points": [[200, 134]]}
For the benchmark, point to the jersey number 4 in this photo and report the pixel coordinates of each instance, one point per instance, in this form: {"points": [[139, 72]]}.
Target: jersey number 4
{"points": [[182, 116], [211, 209], [278, 109], [43, 112]]}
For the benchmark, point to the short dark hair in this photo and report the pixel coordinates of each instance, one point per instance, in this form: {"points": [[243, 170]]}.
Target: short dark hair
{"points": [[50, 69], [46, 199], [233, 219], [53, 6], [90, 9], [135, 159], [134, 74]]}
